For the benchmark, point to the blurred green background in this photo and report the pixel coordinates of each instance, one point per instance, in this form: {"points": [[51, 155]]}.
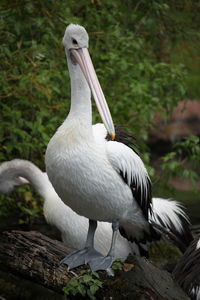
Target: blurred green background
{"points": [[146, 55]]}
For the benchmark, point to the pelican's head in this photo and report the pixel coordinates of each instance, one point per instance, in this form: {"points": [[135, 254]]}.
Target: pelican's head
{"points": [[75, 41], [75, 37]]}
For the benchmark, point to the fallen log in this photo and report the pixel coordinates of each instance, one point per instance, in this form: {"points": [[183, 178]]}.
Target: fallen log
{"points": [[34, 256]]}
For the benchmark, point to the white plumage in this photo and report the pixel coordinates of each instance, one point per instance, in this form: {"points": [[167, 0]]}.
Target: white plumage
{"points": [[87, 181], [73, 227], [122, 158], [168, 211], [81, 168], [99, 179]]}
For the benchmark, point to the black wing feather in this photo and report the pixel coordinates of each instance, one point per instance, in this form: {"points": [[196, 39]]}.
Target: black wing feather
{"points": [[144, 201], [186, 272]]}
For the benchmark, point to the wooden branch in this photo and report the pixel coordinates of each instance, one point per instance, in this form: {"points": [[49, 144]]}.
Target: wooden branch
{"points": [[36, 257]]}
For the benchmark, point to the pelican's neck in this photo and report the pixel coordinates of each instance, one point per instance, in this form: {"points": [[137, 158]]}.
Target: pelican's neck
{"points": [[27, 170], [80, 109]]}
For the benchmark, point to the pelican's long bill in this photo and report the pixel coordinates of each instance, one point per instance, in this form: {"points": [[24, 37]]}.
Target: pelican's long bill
{"points": [[82, 57]]}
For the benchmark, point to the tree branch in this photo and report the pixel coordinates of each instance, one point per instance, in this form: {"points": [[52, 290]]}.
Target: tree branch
{"points": [[33, 256]]}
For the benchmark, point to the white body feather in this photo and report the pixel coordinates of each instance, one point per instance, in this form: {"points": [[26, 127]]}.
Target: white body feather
{"points": [[87, 180], [73, 227], [81, 165]]}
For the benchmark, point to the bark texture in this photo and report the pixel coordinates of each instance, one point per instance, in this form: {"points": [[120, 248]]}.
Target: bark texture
{"points": [[33, 256]]}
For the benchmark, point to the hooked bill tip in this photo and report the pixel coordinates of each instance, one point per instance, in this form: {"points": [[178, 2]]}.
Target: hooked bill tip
{"points": [[112, 136]]}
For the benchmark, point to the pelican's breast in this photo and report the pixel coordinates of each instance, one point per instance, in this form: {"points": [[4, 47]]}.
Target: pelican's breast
{"points": [[84, 178]]}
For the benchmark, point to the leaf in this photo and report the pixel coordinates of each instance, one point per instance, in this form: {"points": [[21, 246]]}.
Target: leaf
{"points": [[95, 274], [93, 289], [127, 267], [28, 196], [87, 278], [73, 282], [117, 265], [82, 290]]}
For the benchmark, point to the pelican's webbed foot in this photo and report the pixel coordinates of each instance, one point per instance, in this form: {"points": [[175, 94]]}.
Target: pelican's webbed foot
{"points": [[101, 263], [80, 257]]}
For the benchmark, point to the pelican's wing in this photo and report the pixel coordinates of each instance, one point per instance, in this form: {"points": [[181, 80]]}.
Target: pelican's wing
{"points": [[128, 164], [131, 168]]}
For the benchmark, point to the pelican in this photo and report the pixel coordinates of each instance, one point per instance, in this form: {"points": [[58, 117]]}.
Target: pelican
{"points": [[92, 172], [100, 179], [167, 214], [187, 270]]}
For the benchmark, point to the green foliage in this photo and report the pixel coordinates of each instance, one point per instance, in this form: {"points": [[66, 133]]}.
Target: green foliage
{"points": [[87, 284], [35, 84], [163, 253], [130, 42], [30, 79], [117, 265], [184, 161], [22, 206]]}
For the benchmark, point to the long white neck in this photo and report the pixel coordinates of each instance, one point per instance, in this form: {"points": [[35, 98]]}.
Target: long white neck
{"points": [[80, 97], [13, 169]]}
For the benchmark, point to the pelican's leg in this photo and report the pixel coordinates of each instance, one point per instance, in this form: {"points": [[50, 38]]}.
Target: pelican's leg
{"points": [[81, 257], [103, 263]]}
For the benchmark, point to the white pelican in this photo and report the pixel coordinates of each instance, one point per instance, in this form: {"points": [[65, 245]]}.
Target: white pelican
{"points": [[167, 214], [100, 179], [187, 270]]}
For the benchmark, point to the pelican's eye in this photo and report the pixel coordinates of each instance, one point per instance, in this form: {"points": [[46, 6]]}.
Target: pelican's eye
{"points": [[74, 42]]}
